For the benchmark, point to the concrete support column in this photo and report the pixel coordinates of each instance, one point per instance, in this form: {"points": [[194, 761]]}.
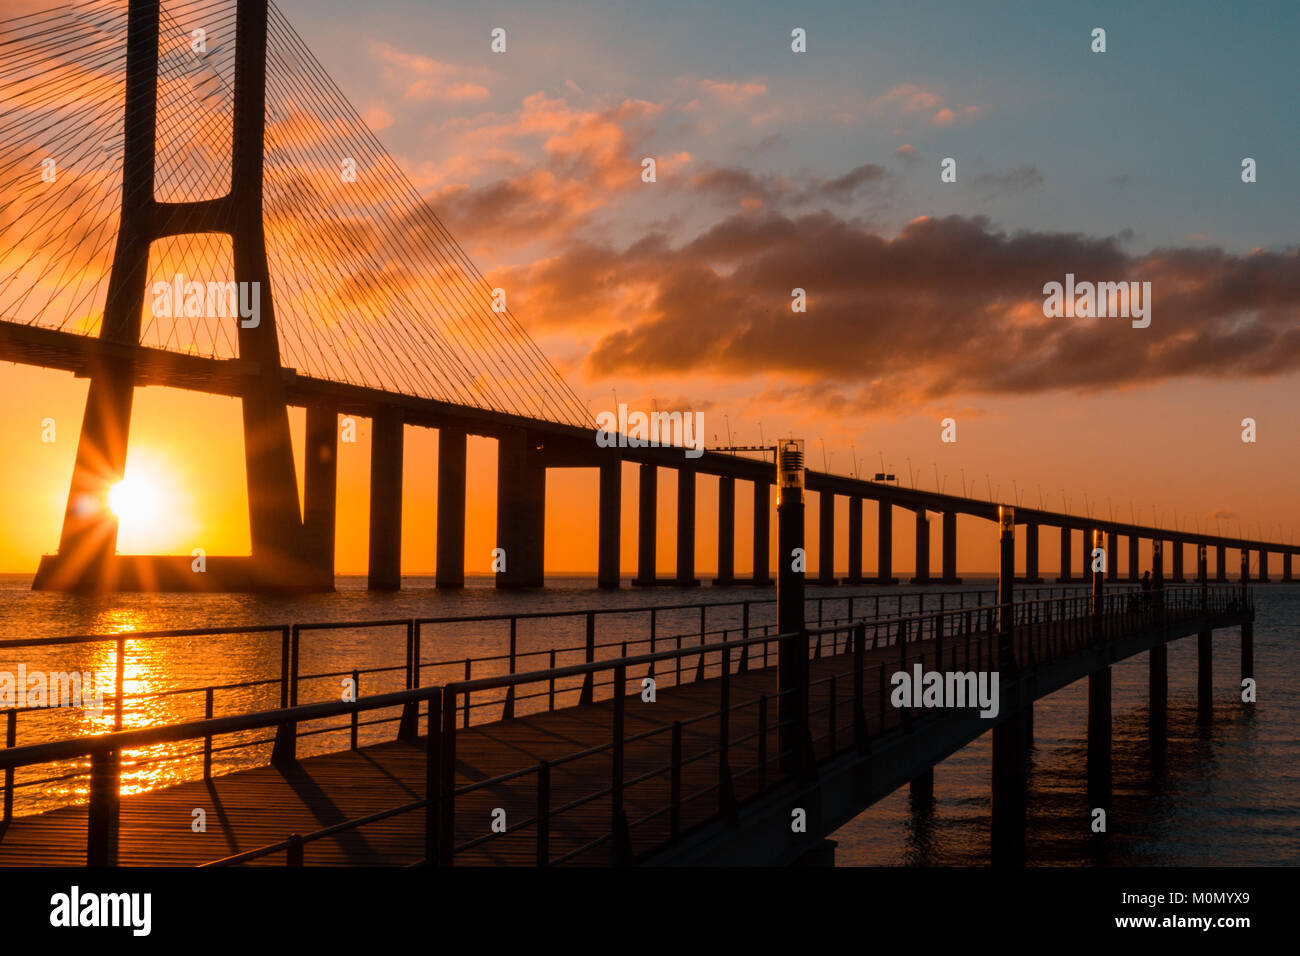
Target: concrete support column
{"points": [[451, 508], [1099, 700], [1286, 566], [855, 542], [1065, 575], [1009, 785], [686, 528], [726, 531], [611, 524], [1133, 571], [1205, 673], [922, 548], [1263, 565], [1220, 563], [320, 487], [1112, 556], [825, 538], [1176, 545], [1085, 556], [647, 525], [885, 544], [1031, 554], [521, 511], [386, 501], [949, 557], [762, 533], [1157, 694]]}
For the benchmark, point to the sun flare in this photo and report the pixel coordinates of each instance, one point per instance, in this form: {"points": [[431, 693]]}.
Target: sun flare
{"points": [[134, 500]]}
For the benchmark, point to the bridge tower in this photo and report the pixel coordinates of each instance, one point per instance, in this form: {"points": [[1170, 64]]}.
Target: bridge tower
{"points": [[86, 559]]}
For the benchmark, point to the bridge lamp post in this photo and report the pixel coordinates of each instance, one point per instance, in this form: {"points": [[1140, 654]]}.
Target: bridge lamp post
{"points": [[792, 652], [1006, 575]]}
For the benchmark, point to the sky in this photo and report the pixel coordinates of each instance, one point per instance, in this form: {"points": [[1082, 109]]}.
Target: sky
{"points": [[816, 170]]}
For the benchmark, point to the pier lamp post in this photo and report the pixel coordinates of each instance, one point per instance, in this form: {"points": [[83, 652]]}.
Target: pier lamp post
{"points": [[1006, 576], [1098, 577], [1202, 574], [792, 659]]}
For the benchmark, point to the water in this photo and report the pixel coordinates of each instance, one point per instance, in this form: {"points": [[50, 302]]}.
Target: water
{"points": [[1227, 792]]}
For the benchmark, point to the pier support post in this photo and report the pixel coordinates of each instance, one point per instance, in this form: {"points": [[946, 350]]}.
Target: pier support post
{"points": [[647, 525], [922, 788], [950, 548], [1157, 695], [386, 501], [1220, 563], [1263, 564], [885, 543], [1133, 570], [450, 572], [1112, 556], [1099, 702], [1085, 555], [1009, 785], [1286, 566], [1205, 673], [686, 528], [611, 524], [793, 735], [1247, 649], [826, 538], [1177, 546], [521, 510], [762, 533], [1031, 554], [1065, 576], [320, 487], [922, 548], [855, 542], [1244, 577], [726, 531]]}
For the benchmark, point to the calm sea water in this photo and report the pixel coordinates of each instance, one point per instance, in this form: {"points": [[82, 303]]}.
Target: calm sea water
{"points": [[1225, 792]]}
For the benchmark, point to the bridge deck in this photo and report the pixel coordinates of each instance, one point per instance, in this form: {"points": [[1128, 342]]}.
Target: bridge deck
{"points": [[253, 808]]}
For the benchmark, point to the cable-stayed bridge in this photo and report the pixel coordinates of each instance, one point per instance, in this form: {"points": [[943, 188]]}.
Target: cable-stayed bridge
{"points": [[199, 141]]}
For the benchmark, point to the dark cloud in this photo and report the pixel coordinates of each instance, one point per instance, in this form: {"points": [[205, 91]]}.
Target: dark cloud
{"points": [[1008, 183]]}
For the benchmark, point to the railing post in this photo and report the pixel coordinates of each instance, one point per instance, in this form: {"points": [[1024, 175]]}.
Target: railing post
{"points": [[588, 681], [675, 783], [356, 712], [285, 749], [465, 724], [550, 690], [432, 781], [447, 774], [744, 633], [509, 710], [119, 690], [408, 728], [544, 814], [285, 641], [859, 715], [207, 738], [103, 812], [654, 638], [619, 843], [726, 791], [11, 739]]}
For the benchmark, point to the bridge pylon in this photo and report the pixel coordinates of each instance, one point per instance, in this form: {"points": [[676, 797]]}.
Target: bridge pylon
{"points": [[281, 556]]}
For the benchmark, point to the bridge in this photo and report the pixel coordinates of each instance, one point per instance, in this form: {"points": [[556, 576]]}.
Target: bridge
{"points": [[368, 307], [667, 750]]}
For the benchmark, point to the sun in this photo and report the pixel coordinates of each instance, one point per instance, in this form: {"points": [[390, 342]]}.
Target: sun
{"points": [[134, 500]]}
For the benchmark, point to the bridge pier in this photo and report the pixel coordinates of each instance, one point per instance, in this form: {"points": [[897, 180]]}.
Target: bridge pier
{"points": [[1112, 556], [1085, 556], [521, 510], [320, 486], [1245, 565], [949, 557], [1205, 673], [1157, 695], [1220, 563], [1031, 555], [1133, 572], [922, 575], [855, 542], [386, 501], [726, 531], [450, 572], [826, 538], [647, 525], [1263, 565], [611, 524], [686, 528], [885, 544], [1010, 781], [762, 534], [1286, 566], [1065, 576], [1099, 733], [1176, 545]]}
